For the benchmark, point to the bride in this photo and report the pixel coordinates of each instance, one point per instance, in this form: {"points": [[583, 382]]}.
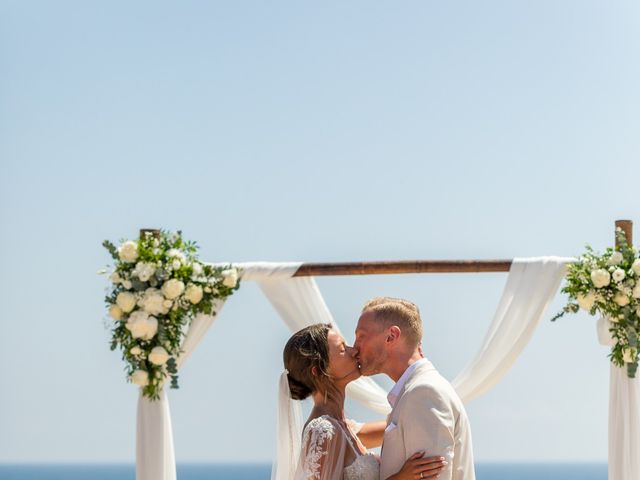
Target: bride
{"points": [[319, 363]]}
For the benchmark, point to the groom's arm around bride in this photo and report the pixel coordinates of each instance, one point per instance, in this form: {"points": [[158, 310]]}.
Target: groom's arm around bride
{"points": [[428, 416]]}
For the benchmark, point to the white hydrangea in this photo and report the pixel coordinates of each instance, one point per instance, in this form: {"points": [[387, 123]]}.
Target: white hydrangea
{"points": [[177, 254], [142, 325], [144, 271], [153, 302]]}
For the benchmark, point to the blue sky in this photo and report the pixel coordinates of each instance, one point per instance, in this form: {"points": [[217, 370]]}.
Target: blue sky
{"points": [[310, 132]]}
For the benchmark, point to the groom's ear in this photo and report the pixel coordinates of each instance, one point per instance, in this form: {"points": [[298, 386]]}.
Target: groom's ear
{"points": [[393, 334]]}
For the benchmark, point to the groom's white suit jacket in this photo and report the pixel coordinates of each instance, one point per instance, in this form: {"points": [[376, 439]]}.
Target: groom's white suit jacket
{"points": [[427, 415]]}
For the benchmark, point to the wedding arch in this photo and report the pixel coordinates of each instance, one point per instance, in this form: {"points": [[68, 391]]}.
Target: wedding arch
{"points": [[291, 288]]}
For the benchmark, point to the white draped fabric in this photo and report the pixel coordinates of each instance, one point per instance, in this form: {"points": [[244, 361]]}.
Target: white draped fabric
{"points": [[155, 458], [624, 416], [530, 287]]}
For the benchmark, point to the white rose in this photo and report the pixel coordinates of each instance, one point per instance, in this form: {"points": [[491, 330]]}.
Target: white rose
{"points": [[126, 301], [144, 271], [158, 356], [116, 312], [135, 350], [621, 299], [167, 304], [153, 302], [193, 293], [230, 277], [127, 284], [586, 301], [115, 278], [635, 293], [618, 275], [636, 266], [600, 278], [128, 252], [629, 354], [615, 259], [140, 377], [172, 288]]}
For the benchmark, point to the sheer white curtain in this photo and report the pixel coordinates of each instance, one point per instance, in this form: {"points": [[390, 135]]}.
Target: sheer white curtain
{"points": [[624, 416], [531, 285], [155, 458]]}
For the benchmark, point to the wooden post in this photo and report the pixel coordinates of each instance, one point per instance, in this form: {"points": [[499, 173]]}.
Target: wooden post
{"points": [[154, 231], [627, 228]]}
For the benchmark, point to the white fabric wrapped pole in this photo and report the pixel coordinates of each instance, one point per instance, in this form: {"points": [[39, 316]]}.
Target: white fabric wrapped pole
{"points": [[624, 415], [624, 425], [531, 285], [155, 457]]}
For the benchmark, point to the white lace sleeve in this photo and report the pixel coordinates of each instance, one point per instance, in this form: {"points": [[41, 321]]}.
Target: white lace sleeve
{"points": [[323, 451]]}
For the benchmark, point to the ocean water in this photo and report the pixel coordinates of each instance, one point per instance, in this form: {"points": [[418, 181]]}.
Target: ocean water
{"points": [[484, 471]]}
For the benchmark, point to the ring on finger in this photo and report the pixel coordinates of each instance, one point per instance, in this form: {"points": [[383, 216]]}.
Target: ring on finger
{"points": [[421, 475]]}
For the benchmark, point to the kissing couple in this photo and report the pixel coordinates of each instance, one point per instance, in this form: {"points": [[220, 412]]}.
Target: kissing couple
{"points": [[426, 435]]}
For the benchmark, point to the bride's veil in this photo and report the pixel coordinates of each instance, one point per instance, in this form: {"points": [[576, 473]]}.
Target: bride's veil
{"points": [[288, 433]]}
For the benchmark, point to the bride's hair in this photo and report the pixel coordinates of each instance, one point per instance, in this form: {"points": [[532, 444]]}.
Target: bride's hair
{"points": [[306, 349]]}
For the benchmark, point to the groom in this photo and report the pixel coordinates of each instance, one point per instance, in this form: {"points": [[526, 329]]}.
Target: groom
{"points": [[427, 414]]}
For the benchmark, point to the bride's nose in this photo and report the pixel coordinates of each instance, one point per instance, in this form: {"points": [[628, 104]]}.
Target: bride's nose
{"points": [[353, 351]]}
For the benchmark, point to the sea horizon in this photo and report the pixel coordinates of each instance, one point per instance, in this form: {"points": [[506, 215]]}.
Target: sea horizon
{"points": [[498, 470]]}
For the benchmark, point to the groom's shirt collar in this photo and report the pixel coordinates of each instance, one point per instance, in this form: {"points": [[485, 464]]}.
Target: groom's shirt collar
{"points": [[395, 392]]}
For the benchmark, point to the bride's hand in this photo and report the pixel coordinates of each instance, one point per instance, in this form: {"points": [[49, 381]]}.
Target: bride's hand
{"points": [[417, 468]]}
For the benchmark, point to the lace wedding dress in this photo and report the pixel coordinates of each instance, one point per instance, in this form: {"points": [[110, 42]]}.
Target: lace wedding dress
{"points": [[325, 446]]}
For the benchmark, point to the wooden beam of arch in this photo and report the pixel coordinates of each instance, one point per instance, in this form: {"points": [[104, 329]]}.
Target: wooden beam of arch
{"points": [[406, 266]]}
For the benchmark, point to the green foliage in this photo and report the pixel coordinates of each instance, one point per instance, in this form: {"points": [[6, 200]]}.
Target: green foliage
{"points": [[608, 284], [146, 271]]}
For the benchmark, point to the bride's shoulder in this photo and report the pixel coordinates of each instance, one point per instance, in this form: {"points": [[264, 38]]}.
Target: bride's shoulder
{"points": [[323, 427]]}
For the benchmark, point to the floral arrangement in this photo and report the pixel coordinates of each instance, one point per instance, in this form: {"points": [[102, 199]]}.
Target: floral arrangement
{"points": [[158, 287], [609, 285]]}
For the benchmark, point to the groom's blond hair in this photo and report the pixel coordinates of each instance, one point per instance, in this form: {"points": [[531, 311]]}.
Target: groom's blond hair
{"points": [[390, 311]]}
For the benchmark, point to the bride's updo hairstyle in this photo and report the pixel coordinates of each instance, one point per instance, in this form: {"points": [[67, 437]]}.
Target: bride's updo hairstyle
{"points": [[306, 349]]}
